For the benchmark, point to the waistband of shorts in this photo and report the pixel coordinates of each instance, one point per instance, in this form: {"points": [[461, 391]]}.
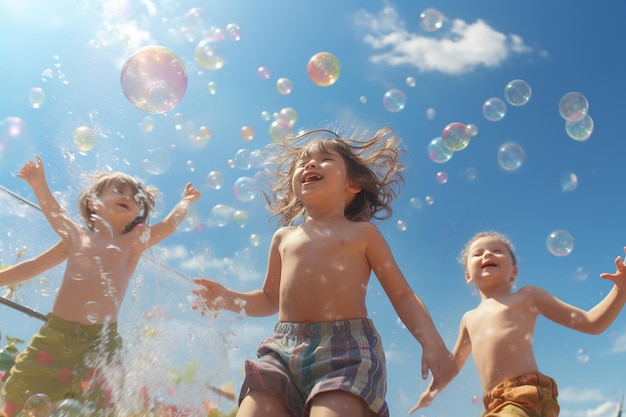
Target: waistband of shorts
{"points": [[72, 327], [536, 379], [364, 325]]}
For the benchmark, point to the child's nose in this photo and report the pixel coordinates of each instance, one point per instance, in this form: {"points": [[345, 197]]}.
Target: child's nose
{"points": [[311, 164]]}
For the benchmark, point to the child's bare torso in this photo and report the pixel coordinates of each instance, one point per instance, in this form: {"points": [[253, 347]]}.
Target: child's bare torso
{"points": [[97, 274], [325, 272], [501, 332]]}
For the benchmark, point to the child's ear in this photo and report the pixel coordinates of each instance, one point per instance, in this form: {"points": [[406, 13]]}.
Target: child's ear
{"points": [[353, 187], [468, 277]]}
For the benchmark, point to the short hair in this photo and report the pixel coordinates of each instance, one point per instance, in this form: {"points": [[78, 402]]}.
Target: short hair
{"points": [[373, 164], [489, 233], [144, 195]]}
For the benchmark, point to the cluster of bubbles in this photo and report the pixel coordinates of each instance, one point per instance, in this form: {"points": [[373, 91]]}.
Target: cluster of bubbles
{"points": [[574, 108], [456, 136]]}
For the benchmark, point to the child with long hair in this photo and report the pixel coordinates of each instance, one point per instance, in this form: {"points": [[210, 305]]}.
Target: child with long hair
{"points": [[325, 357]]}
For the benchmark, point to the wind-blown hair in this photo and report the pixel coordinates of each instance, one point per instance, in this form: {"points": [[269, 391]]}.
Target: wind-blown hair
{"points": [[144, 195], [373, 164]]}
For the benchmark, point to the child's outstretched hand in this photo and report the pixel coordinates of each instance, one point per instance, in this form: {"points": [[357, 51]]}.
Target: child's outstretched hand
{"points": [[33, 172], [191, 194], [426, 398], [209, 295], [619, 277]]}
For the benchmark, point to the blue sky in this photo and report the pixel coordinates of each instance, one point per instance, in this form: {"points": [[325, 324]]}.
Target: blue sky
{"points": [[74, 52]]}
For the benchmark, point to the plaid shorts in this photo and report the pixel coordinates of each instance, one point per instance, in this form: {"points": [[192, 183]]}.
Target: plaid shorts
{"points": [[301, 360], [61, 362], [530, 395]]}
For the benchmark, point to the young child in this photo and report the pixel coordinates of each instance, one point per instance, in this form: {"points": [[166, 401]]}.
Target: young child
{"points": [[325, 356], [499, 332], [81, 330]]}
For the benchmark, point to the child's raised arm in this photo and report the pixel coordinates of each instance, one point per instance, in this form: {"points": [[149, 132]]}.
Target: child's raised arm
{"points": [[33, 173], [594, 321], [163, 229], [32, 267]]}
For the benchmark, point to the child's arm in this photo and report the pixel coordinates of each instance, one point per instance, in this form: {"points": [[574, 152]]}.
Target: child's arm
{"points": [[594, 321], [410, 309], [258, 303], [462, 350], [163, 229], [33, 173], [29, 268]]}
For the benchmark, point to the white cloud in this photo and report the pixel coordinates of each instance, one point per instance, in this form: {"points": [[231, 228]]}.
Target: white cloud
{"points": [[460, 49], [572, 394], [606, 409]]}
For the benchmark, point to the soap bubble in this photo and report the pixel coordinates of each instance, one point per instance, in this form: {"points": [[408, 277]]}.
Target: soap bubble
{"points": [[264, 73], [517, 92], [511, 156], [36, 97], [154, 79], [37, 405], [209, 55], [580, 129], [582, 356], [244, 189], [220, 215], [573, 106], [84, 138], [394, 100], [560, 243], [455, 136], [284, 86], [437, 152], [442, 177], [323, 69], [431, 20], [157, 162], [494, 109], [234, 32], [215, 180], [247, 132]]}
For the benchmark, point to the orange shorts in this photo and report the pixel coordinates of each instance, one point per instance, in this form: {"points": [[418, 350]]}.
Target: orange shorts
{"points": [[530, 395]]}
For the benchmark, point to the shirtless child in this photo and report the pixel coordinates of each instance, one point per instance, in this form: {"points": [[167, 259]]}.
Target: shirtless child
{"points": [[325, 357], [101, 259], [499, 332]]}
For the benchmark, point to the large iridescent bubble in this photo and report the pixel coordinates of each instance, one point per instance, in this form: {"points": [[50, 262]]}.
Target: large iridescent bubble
{"points": [[154, 79], [323, 69]]}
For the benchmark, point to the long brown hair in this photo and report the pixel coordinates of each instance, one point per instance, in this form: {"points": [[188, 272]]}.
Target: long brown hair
{"points": [[373, 164]]}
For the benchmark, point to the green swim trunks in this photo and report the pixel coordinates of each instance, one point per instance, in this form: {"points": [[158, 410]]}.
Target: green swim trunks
{"points": [[530, 395], [63, 361]]}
